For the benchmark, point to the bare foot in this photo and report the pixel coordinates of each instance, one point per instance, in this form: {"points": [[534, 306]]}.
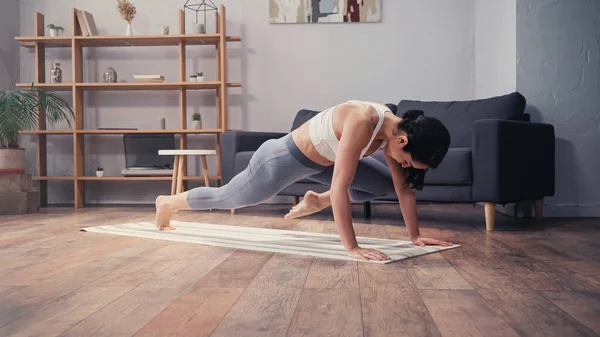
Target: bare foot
{"points": [[164, 211], [309, 205]]}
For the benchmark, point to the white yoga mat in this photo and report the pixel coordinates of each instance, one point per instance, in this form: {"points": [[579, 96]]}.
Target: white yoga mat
{"points": [[267, 240]]}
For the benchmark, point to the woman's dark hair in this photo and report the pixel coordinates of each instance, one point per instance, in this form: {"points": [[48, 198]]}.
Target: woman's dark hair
{"points": [[428, 143]]}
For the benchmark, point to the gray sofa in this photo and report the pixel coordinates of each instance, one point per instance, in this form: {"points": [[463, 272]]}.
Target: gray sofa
{"points": [[497, 156]]}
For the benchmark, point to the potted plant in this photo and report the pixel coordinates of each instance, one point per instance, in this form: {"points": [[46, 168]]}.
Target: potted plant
{"points": [[193, 78], [99, 172], [55, 30], [199, 77], [19, 111], [196, 121]]}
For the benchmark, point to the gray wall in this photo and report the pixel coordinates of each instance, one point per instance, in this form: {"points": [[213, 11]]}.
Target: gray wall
{"points": [[9, 49], [558, 43], [423, 49], [495, 47]]}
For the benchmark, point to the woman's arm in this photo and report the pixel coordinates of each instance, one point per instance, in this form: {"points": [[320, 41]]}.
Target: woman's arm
{"points": [[408, 205], [355, 136], [406, 197]]}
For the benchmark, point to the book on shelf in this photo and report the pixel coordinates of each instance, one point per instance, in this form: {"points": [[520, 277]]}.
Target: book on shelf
{"points": [[86, 23], [149, 78]]}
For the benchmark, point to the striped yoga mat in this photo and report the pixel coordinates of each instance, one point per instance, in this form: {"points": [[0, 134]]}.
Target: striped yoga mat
{"points": [[267, 240]]}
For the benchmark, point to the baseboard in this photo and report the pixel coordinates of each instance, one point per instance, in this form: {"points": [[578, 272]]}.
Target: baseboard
{"points": [[526, 210]]}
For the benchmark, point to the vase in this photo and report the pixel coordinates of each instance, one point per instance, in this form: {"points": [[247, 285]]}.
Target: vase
{"points": [[165, 29], [129, 31], [197, 125], [162, 124]]}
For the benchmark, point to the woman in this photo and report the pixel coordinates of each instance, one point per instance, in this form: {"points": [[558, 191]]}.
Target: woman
{"points": [[340, 135]]}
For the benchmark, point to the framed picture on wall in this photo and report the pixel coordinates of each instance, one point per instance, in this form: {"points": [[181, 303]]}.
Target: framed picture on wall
{"points": [[324, 11]]}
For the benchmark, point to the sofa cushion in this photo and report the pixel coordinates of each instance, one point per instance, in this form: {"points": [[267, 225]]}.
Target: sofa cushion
{"points": [[302, 116], [455, 169], [459, 116]]}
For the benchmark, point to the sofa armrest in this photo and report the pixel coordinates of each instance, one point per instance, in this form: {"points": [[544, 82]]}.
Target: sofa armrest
{"points": [[512, 161], [240, 141]]}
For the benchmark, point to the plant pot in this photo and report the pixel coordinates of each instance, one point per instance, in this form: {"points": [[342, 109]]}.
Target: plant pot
{"points": [[197, 125], [12, 160], [53, 32], [99, 173], [193, 79], [200, 79]]}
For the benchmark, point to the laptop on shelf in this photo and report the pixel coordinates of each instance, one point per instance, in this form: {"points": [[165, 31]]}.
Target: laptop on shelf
{"points": [[141, 154]]}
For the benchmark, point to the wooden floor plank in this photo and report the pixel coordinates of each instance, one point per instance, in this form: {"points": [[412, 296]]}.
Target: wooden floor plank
{"points": [[438, 278], [328, 312], [195, 313], [392, 305], [326, 273], [236, 271], [65, 312], [31, 303], [133, 311], [583, 306], [268, 304], [330, 302], [464, 313], [527, 312]]}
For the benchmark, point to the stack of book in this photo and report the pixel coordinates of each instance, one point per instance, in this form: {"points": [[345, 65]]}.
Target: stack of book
{"points": [[149, 78]]}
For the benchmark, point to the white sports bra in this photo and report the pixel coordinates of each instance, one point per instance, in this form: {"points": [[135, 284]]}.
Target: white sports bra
{"points": [[323, 135]]}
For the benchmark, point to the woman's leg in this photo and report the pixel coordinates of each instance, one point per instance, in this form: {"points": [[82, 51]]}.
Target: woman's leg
{"points": [[271, 169], [372, 180]]}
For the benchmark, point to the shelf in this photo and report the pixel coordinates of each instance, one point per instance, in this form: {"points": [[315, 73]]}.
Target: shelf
{"points": [[129, 86], [47, 41], [152, 40], [147, 86], [53, 178], [46, 132], [165, 178], [119, 132], [125, 41], [50, 86]]}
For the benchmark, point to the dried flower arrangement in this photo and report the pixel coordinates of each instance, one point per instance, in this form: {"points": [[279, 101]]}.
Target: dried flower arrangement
{"points": [[127, 10]]}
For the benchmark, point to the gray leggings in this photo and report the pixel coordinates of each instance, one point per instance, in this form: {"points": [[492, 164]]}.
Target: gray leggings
{"points": [[279, 163]]}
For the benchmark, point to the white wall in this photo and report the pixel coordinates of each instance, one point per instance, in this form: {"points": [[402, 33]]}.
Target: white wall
{"points": [[423, 49], [9, 49], [495, 47]]}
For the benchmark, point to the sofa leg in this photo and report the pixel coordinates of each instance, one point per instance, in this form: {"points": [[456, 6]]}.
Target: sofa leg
{"points": [[539, 209], [296, 200], [490, 213], [367, 209]]}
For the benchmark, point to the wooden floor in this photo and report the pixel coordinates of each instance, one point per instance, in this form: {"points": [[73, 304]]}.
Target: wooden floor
{"points": [[526, 279]]}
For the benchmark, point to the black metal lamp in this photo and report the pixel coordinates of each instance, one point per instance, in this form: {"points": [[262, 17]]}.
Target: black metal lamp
{"points": [[204, 6]]}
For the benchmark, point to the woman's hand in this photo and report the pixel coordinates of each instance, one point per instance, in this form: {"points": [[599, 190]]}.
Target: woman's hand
{"points": [[367, 254], [419, 241]]}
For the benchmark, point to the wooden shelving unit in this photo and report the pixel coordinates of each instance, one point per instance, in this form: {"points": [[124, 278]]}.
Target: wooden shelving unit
{"points": [[77, 43]]}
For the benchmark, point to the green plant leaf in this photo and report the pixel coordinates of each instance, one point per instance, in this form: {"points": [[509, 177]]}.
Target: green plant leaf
{"points": [[19, 111], [55, 107]]}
